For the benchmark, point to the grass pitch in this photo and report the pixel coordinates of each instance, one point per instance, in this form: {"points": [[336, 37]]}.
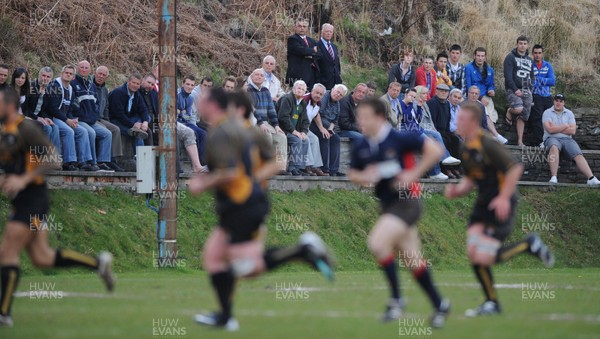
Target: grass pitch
{"points": [[560, 303]]}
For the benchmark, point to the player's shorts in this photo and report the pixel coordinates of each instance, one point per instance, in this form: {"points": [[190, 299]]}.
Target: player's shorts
{"points": [[493, 227], [243, 223], [524, 101], [31, 205], [568, 145], [409, 210]]}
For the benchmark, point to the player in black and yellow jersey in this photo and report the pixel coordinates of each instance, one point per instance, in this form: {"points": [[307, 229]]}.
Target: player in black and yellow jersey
{"points": [[235, 248], [490, 167], [25, 154]]}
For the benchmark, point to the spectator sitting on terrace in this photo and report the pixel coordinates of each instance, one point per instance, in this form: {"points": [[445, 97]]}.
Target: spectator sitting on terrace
{"points": [[559, 128], [313, 100], [416, 119], [291, 112], [372, 89], [392, 104], [59, 96], [472, 96], [266, 115], [326, 128], [187, 113], [99, 79], [347, 119], [129, 112], [36, 107]]}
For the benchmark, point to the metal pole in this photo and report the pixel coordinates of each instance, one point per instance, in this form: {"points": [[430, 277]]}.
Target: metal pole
{"points": [[167, 173]]}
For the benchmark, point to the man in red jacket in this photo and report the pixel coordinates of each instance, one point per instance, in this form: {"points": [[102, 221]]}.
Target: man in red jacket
{"points": [[426, 76]]}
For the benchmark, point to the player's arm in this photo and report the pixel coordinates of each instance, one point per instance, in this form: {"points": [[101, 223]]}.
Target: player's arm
{"points": [[367, 176], [271, 165], [269, 169], [205, 182], [503, 161], [431, 154], [465, 186], [222, 159], [511, 179], [360, 172], [41, 157]]}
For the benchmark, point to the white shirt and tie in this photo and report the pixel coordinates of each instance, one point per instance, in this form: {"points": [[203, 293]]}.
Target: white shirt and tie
{"points": [[327, 45]]}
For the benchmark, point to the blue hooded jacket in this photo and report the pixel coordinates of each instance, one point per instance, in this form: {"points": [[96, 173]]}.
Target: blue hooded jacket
{"points": [[544, 79]]}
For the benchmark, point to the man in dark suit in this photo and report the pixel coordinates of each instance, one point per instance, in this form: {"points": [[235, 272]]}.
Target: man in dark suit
{"points": [[329, 63], [302, 56]]}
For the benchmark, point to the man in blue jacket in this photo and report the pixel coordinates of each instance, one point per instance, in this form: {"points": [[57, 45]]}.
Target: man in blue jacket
{"points": [[542, 100], [85, 107], [128, 110], [186, 110]]}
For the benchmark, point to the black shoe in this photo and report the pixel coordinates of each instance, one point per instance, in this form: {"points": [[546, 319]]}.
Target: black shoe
{"points": [[69, 167], [298, 173], [115, 167], [338, 174], [102, 167], [89, 168]]}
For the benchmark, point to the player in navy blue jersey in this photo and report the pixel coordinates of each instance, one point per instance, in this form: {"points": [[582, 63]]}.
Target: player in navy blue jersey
{"points": [[386, 158]]}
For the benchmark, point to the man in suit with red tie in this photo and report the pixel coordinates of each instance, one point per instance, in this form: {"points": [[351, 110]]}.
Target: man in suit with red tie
{"points": [[302, 56], [329, 63]]}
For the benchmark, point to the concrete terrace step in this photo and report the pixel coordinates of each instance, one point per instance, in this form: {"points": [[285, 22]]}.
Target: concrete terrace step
{"points": [[126, 181]]}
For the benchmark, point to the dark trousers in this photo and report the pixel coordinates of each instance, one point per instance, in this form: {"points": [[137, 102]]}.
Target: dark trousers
{"points": [[540, 104], [330, 150], [452, 143]]}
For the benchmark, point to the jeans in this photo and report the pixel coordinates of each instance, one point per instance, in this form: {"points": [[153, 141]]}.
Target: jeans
{"points": [[298, 152], [71, 137], [353, 135], [53, 133], [100, 141], [330, 150], [435, 135]]}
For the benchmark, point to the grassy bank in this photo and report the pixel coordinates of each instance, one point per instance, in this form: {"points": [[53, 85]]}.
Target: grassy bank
{"points": [[121, 223]]}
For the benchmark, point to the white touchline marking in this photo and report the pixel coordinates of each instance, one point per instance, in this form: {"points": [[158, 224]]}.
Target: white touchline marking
{"points": [[469, 285], [37, 293], [594, 318]]}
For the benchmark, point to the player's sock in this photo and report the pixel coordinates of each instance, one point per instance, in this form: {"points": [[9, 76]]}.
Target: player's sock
{"points": [[67, 258], [484, 274], [506, 252], [9, 279], [223, 283], [422, 275], [276, 256], [388, 265]]}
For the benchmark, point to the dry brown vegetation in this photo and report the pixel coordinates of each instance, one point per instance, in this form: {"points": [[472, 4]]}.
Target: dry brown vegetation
{"points": [[221, 37]]}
